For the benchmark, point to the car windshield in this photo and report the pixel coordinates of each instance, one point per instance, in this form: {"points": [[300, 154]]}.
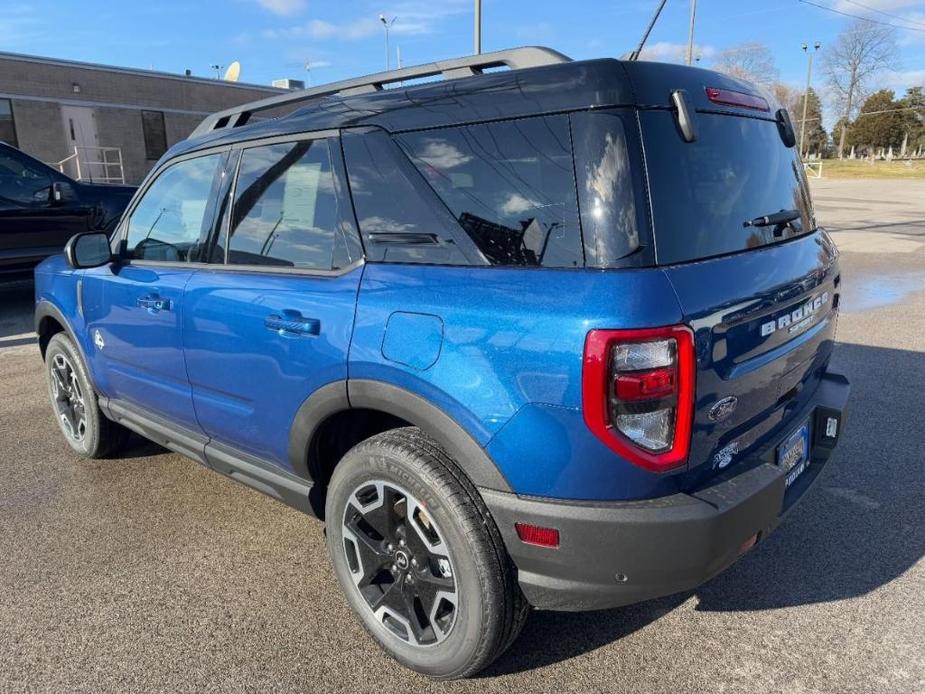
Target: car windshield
{"points": [[709, 195]]}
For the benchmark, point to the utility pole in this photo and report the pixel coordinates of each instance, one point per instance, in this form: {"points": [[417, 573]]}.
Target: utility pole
{"points": [[690, 33], [477, 48], [809, 75], [387, 23]]}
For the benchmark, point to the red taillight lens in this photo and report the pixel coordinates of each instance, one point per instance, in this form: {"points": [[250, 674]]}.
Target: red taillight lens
{"points": [[536, 535], [645, 385], [638, 393], [727, 97]]}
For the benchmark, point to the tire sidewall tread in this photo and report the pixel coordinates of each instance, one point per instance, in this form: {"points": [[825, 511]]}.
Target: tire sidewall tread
{"points": [[411, 459]]}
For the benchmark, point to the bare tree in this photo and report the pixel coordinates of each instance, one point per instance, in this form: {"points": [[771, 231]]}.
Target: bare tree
{"points": [[861, 51], [788, 97], [751, 61]]}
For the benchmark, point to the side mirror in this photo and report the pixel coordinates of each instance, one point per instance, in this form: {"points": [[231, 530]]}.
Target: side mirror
{"points": [[89, 249], [62, 193]]}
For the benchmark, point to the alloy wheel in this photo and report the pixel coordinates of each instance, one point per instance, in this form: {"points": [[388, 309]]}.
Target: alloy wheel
{"points": [[68, 397], [400, 563]]}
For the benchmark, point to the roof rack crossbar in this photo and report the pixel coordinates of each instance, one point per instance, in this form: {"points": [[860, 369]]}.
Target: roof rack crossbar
{"points": [[515, 59]]}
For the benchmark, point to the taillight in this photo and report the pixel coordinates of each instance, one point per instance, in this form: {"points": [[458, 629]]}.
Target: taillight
{"points": [[727, 97], [638, 393]]}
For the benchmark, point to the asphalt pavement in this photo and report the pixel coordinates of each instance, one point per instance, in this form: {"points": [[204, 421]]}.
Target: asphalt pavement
{"points": [[150, 573]]}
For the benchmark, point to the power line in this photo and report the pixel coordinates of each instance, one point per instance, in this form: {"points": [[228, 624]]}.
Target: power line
{"points": [[886, 14], [857, 16]]}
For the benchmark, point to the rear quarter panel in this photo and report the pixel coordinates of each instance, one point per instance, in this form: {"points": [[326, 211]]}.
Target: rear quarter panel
{"points": [[507, 367]]}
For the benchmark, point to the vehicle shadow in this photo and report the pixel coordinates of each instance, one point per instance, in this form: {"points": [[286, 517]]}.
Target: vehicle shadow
{"points": [[858, 529], [16, 310]]}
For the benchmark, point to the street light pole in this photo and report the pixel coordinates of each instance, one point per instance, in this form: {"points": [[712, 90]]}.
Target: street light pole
{"points": [[477, 48], [809, 75], [690, 33], [387, 23]]}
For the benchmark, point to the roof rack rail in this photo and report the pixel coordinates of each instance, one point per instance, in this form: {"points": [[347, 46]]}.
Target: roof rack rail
{"points": [[515, 58]]}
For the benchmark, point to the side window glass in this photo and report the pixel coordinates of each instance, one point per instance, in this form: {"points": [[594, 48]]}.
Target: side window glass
{"points": [[170, 223], [609, 213], [510, 186], [396, 222], [21, 183], [285, 210]]}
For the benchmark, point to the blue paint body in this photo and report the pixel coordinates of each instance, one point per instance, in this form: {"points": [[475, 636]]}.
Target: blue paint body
{"points": [[497, 349]]}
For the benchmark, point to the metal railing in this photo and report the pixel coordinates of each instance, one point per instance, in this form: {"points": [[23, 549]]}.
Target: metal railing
{"points": [[813, 168], [94, 164]]}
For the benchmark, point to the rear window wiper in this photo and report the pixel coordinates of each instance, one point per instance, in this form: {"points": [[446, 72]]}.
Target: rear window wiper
{"points": [[779, 220]]}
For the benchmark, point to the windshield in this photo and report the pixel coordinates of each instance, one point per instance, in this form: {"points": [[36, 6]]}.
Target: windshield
{"points": [[707, 194]]}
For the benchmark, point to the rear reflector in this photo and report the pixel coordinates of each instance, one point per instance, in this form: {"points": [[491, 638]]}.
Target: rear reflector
{"points": [[536, 535], [749, 543], [727, 97]]}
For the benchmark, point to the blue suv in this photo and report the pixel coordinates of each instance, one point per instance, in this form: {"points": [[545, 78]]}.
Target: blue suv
{"points": [[556, 335]]}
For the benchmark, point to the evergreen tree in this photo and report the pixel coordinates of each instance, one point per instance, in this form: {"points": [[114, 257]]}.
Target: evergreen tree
{"points": [[817, 139], [883, 127], [913, 119]]}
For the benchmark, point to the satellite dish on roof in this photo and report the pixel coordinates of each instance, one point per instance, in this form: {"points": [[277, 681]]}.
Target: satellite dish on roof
{"points": [[233, 72]]}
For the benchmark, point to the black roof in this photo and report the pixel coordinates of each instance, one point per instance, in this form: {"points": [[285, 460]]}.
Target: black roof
{"points": [[561, 87]]}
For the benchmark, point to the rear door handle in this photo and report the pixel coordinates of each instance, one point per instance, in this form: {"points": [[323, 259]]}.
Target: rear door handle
{"points": [[153, 303], [292, 323]]}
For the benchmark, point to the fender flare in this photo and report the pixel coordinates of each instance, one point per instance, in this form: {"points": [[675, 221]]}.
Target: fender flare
{"points": [[378, 395], [46, 309]]}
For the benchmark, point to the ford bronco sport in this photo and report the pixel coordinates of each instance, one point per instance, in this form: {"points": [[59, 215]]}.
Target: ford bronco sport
{"points": [[553, 336]]}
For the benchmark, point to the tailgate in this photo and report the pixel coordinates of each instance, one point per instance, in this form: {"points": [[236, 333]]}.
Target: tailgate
{"points": [[764, 326]]}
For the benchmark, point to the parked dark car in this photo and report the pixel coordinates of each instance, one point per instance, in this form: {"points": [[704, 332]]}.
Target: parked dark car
{"points": [[556, 336], [40, 209]]}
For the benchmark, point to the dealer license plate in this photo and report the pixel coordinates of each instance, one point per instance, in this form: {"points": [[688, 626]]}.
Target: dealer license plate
{"points": [[793, 454]]}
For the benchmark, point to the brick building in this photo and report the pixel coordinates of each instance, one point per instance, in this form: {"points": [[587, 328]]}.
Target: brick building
{"points": [[48, 107]]}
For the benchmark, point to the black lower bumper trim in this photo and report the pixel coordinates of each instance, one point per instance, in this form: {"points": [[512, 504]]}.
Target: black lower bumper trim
{"points": [[619, 553]]}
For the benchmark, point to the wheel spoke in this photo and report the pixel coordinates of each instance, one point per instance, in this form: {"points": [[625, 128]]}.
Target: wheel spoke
{"points": [[371, 555], [408, 597], [390, 598], [382, 518], [438, 583]]}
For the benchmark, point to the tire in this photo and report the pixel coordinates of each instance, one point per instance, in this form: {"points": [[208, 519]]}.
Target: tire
{"points": [[443, 528], [86, 429]]}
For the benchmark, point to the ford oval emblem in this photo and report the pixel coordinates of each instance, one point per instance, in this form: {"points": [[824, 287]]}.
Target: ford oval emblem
{"points": [[723, 409]]}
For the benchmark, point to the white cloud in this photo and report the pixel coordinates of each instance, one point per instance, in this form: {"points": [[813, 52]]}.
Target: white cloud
{"points": [[517, 204], [442, 155], [882, 5], [667, 52], [414, 17], [537, 32], [900, 81], [321, 30], [20, 25], [285, 8]]}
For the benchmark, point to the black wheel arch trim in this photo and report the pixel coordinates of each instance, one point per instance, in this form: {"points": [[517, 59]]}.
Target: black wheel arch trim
{"points": [[46, 309], [349, 394]]}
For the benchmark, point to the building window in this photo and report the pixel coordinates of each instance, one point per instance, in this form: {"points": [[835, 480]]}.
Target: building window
{"points": [[7, 126], [155, 134]]}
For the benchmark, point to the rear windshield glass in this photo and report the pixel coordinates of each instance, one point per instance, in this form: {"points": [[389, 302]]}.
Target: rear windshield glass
{"points": [[705, 193]]}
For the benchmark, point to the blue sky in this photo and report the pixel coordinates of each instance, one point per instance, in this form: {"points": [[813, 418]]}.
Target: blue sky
{"points": [[275, 38]]}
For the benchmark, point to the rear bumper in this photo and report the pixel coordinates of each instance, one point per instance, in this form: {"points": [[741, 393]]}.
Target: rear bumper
{"points": [[619, 553]]}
